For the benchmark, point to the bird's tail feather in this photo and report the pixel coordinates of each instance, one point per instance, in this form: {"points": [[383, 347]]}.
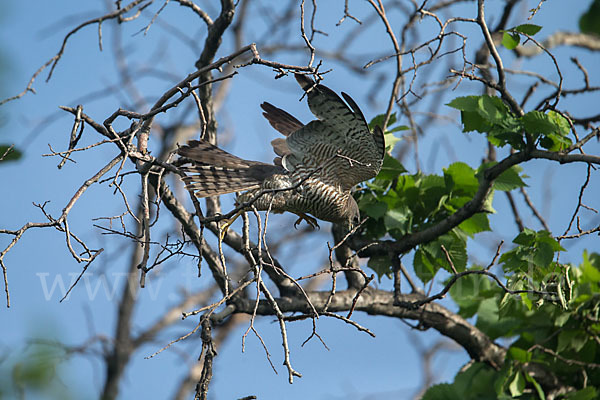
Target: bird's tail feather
{"points": [[214, 171], [208, 154], [210, 180]]}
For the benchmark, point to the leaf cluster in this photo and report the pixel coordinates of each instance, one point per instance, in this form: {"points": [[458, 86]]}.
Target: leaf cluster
{"points": [[490, 115], [398, 204], [561, 337], [549, 312]]}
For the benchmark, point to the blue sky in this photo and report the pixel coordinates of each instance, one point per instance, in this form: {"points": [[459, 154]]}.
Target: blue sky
{"points": [[356, 366]]}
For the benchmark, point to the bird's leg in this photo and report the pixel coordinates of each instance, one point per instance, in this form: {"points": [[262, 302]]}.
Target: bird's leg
{"points": [[309, 220], [227, 223]]}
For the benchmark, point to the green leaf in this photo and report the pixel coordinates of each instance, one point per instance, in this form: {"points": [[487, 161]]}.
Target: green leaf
{"points": [[468, 291], [381, 265], [379, 119], [571, 340], [441, 391], [466, 103], [561, 319], [489, 114], [525, 238], [500, 137], [395, 219], [529, 29], [37, 369], [553, 126], [546, 237], [391, 168], [507, 304], [554, 142], [517, 385], [460, 178], [589, 268], [536, 122], [455, 247], [12, 155], [589, 22], [475, 381], [477, 223], [543, 254], [535, 248], [376, 210], [492, 108], [526, 300], [423, 266], [390, 141], [560, 122], [397, 128], [488, 202], [489, 322], [589, 393], [510, 40], [502, 380], [537, 386], [472, 121], [520, 355], [509, 179]]}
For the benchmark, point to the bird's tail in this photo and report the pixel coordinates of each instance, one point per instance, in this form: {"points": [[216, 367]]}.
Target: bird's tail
{"points": [[214, 171]]}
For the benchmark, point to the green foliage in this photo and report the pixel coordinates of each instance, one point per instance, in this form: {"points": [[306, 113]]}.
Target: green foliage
{"points": [[528, 29], [10, 154], [391, 128], [589, 22], [512, 37], [34, 371], [551, 128], [510, 40], [534, 322], [474, 383], [37, 370], [489, 114], [534, 249], [391, 168], [589, 393], [430, 257], [549, 311], [509, 180], [399, 204]]}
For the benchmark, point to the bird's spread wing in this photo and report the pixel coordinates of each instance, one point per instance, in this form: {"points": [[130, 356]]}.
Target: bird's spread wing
{"points": [[339, 141]]}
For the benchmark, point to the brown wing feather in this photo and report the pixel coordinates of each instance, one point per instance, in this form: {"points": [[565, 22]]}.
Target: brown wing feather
{"points": [[281, 120], [280, 147]]}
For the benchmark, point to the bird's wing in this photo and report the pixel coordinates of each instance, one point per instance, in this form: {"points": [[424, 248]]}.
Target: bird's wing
{"points": [[339, 141], [281, 120]]}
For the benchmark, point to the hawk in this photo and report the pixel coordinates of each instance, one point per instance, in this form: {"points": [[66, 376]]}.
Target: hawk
{"points": [[316, 168]]}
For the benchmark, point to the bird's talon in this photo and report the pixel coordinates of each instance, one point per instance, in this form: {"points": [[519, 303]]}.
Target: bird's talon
{"points": [[309, 220]]}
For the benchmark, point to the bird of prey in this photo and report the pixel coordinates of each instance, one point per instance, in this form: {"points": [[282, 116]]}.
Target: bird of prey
{"points": [[317, 167]]}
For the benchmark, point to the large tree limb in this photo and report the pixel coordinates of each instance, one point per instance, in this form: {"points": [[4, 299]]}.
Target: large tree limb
{"points": [[379, 302]]}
